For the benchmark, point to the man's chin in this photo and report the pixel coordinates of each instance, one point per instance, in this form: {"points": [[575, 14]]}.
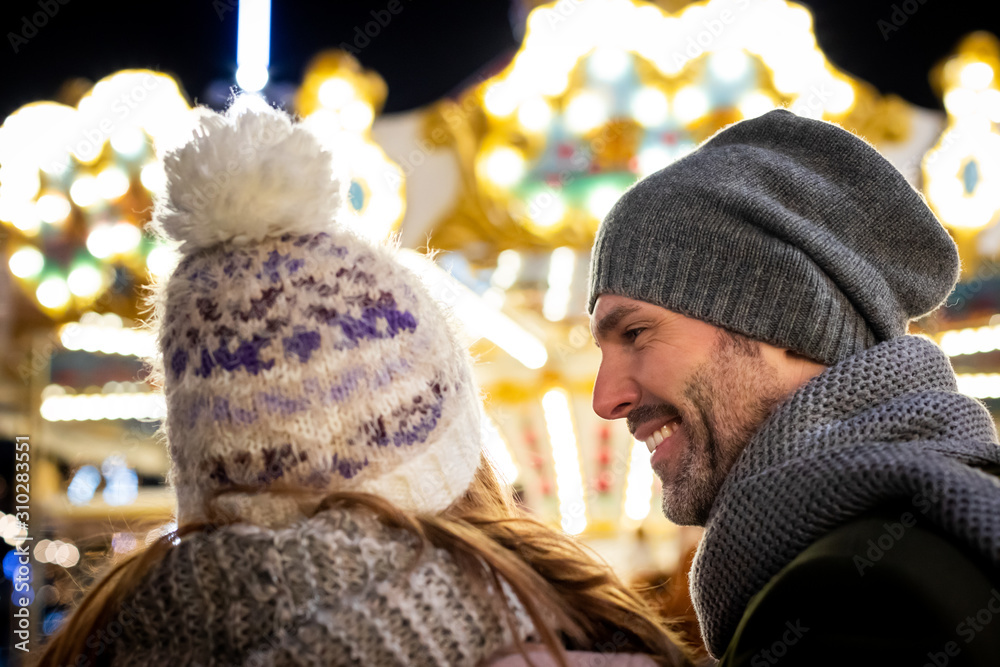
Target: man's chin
{"points": [[683, 508]]}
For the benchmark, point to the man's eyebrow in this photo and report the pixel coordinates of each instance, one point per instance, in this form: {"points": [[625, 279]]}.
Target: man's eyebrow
{"points": [[611, 320]]}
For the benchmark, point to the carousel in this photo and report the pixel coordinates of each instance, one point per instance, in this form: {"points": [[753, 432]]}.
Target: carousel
{"points": [[502, 186]]}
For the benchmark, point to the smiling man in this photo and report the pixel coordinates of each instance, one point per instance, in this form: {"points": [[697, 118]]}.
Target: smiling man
{"points": [[751, 303], [693, 392]]}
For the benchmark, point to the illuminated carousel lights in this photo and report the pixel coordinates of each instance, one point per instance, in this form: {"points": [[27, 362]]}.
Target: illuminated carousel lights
{"points": [[962, 171], [557, 297], [107, 334], [980, 385], [67, 171], [12, 530], [57, 552], [339, 101], [114, 403], [959, 342], [584, 131], [121, 484], [779, 32], [638, 497], [566, 461], [497, 450]]}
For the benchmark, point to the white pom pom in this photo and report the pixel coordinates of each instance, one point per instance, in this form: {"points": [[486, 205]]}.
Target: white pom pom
{"points": [[247, 174]]}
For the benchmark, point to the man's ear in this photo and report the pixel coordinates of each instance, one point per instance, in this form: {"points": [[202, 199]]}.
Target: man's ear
{"points": [[797, 356], [804, 367]]}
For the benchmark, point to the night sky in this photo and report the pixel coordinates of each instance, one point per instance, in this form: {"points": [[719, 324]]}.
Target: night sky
{"points": [[428, 50]]}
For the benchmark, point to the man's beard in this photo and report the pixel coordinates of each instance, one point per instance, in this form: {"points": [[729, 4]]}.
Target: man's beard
{"points": [[728, 397]]}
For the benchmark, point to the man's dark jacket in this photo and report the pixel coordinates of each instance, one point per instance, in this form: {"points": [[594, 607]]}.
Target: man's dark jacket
{"points": [[886, 589]]}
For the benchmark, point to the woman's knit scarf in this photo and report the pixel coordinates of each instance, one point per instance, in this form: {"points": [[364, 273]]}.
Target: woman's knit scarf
{"points": [[885, 424], [339, 588]]}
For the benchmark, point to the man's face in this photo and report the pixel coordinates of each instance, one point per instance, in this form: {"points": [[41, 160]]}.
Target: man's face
{"points": [[693, 392]]}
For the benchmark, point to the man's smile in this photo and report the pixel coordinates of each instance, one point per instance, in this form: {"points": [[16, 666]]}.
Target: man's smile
{"points": [[658, 435]]}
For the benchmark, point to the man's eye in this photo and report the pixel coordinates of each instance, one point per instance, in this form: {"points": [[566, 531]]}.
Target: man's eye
{"points": [[631, 334]]}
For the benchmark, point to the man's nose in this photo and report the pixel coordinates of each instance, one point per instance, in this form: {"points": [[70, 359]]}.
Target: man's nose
{"points": [[615, 392]]}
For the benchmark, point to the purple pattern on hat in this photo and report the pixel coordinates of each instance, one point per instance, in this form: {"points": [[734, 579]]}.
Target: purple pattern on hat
{"points": [[366, 326], [259, 307], [203, 274], [232, 265], [325, 290], [425, 415], [178, 362], [347, 467], [208, 309], [355, 275], [419, 431], [276, 324], [336, 251], [317, 283], [374, 432], [247, 355], [219, 474], [286, 405], [385, 375], [313, 241], [220, 409], [270, 266], [276, 459], [301, 343], [275, 462], [308, 282], [206, 364], [343, 389], [222, 412]]}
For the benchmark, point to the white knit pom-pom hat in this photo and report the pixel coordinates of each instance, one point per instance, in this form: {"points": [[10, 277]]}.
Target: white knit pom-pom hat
{"points": [[294, 352]]}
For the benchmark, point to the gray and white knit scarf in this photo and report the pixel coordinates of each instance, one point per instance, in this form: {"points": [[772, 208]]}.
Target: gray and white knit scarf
{"points": [[885, 424], [339, 588]]}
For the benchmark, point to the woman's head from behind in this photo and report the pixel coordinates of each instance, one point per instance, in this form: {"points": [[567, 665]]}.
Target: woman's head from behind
{"points": [[305, 368], [295, 354]]}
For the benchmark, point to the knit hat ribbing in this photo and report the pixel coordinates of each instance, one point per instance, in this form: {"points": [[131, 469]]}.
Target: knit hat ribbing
{"points": [[789, 230], [294, 351]]}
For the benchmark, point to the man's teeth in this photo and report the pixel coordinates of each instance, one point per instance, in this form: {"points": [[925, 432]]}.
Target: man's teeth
{"points": [[653, 441]]}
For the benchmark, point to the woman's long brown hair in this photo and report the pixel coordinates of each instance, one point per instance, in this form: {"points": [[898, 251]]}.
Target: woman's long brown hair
{"points": [[574, 600]]}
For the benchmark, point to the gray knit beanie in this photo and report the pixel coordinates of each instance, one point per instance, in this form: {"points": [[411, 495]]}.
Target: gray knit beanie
{"points": [[789, 230]]}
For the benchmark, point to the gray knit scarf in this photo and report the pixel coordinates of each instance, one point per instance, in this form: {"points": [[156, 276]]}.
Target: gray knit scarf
{"points": [[339, 589], [887, 423]]}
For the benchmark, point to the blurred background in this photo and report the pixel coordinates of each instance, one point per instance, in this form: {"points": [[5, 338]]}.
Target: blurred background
{"points": [[498, 133]]}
